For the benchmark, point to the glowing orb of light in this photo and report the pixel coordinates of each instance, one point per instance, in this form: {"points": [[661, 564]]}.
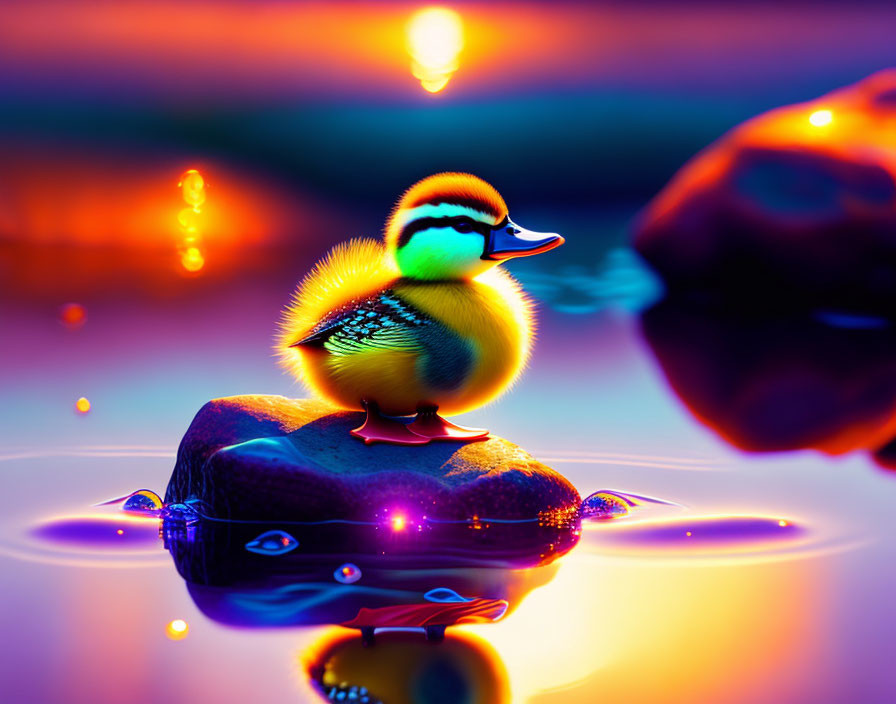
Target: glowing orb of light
{"points": [[72, 315], [398, 523], [435, 37], [192, 259], [347, 573], [193, 186], [820, 118], [82, 405], [177, 629]]}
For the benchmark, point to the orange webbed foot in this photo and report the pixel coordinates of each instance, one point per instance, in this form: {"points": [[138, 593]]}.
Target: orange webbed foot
{"points": [[432, 426], [378, 428]]}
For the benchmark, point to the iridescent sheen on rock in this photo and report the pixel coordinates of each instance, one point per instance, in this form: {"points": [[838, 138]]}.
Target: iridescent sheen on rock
{"points": [[181, 513], [603, 505], [443, 595], [273, 542], [248, 444]]}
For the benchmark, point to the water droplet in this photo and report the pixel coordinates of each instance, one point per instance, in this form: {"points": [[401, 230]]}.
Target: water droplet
{"points": [[443, 595], [604, 505], [143, 501], [274, 542], [181, 513], [347, 573]]}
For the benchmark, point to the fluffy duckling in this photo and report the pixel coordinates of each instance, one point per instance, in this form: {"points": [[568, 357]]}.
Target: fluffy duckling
{"points": [[425, 322]]}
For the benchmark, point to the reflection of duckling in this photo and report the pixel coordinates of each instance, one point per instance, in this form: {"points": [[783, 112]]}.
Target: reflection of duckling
{"points": [[463, 668], [425, 323]]}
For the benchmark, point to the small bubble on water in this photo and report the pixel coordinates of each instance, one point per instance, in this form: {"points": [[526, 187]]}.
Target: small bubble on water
{"points": [[347, 573], [274, 542], [604, 505], [143, 501]]}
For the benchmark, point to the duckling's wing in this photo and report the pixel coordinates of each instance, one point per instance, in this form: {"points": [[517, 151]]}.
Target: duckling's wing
{"points": [[351, 271], [382, 321]]}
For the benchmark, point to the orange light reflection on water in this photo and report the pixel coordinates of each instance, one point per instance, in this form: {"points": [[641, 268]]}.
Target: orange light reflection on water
{"points": [[75, 195], [704, 633], [192, 259], [189, 220]]}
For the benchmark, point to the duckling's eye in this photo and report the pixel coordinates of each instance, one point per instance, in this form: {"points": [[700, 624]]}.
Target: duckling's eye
{"points": [[463, 225]]}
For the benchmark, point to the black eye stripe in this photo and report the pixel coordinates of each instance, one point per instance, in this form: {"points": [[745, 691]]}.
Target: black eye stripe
{"points": [[419, 224]]}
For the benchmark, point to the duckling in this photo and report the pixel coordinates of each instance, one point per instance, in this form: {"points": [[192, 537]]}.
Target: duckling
{"points": [[422, 323]]}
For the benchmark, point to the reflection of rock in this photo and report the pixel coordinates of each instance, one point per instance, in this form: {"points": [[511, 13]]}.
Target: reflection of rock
{"points": [[797, 205], [399, 671], [268, 458], [779, 384], [236, 586]]}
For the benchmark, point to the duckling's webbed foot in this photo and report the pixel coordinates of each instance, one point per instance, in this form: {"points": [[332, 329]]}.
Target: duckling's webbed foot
{"points": [[378, 428], [431, 425]]}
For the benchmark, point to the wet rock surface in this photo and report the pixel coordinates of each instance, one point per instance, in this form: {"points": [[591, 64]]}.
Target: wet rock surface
{"points": [[264, 458]]}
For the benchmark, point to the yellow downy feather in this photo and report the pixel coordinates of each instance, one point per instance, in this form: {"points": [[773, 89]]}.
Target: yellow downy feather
{"points": [[495, 316], [353, 269], [490, 311]]}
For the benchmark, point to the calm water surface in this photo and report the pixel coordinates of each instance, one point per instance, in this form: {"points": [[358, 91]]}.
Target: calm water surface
{"points": [[638, 611]]}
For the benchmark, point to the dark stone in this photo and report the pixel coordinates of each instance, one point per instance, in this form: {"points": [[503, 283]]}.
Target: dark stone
{"points": [[782, 212], [269, 457], [277, 461]]}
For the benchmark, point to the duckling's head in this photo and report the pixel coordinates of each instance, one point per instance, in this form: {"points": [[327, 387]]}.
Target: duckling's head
{"points": [[456, 226]]}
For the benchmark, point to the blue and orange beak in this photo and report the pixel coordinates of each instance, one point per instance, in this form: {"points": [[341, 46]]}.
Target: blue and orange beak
{"points": [[508, 240]]}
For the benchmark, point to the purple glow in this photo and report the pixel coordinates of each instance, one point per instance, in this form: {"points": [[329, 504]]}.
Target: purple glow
{"points": [[712, 530], [100, 531]]}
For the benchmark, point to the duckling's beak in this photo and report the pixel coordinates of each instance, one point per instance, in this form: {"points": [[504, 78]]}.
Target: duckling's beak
{"points": [[509, 240]]}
